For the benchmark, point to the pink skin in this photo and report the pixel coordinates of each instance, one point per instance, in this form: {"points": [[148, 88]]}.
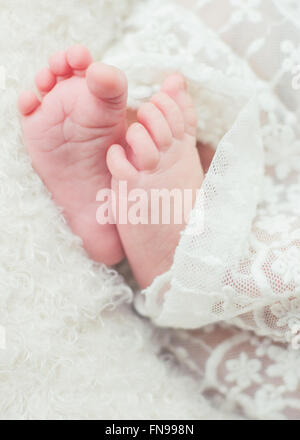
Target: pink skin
{"points": [[161, 153], [76, 139], [82, 112]]}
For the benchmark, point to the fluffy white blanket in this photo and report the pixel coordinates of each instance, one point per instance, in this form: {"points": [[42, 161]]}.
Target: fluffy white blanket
{"points": [[74, 346]]}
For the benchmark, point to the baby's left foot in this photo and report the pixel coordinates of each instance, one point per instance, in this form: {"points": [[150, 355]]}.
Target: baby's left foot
{"points": [[161, 155], [67, 134]]}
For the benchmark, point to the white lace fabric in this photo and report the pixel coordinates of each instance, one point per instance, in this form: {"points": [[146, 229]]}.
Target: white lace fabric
{"points": [[242, 263], [201, 289], [240, 267], [240, 373]]}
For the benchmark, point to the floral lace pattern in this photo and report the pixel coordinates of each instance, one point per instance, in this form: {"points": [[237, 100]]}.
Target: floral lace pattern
{"points": [[241, 373], [242, 268], [240, 276]]}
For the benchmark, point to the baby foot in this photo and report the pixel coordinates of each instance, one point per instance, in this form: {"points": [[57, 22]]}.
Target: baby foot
{"points": [[82, 112], [161, 154]]}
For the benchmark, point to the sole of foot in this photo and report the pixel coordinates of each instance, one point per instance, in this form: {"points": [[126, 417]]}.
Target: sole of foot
{"points": [[161, 154], [79, 114]]}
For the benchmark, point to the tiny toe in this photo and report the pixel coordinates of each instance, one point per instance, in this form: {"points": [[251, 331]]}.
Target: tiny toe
{"points": [[79, 57], [173, 83], [175, 87], [107, 83], [118, 164], [144, 155], [153, 119], [59, 65], [45, 80], [171, 112], [28, 102]]}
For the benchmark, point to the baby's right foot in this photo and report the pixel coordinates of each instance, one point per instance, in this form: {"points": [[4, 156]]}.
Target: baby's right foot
{"points": [[162, 154], [82, 113]]}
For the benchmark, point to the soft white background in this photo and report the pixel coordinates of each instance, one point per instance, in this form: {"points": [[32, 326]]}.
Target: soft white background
{"points": [[72, 351]]}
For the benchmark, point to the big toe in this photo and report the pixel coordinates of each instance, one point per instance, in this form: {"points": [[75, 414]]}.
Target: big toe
{"points": [[107, 83], [175, 87]]}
